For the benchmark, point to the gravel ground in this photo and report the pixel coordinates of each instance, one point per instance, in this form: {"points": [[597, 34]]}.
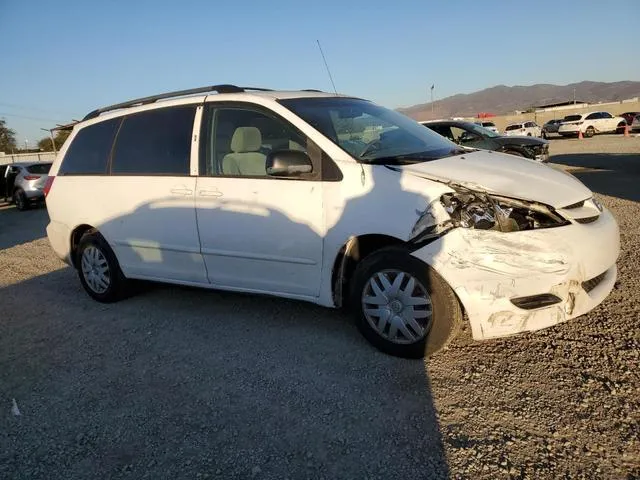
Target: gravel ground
{"points": [[184, 383]]}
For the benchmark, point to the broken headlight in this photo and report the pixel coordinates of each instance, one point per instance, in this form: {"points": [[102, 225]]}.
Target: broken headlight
{"points": [[482, 211]]}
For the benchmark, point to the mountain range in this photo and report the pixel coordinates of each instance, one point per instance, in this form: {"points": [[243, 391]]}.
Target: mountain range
{"points": [[503, 99]]}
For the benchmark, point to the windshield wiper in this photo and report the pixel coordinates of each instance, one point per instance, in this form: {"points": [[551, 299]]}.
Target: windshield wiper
{"points": [[413, 158]]}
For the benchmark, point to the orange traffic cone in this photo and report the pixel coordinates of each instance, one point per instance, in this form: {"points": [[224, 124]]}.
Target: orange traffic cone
{"points": [[580, 137], [626, 131]]}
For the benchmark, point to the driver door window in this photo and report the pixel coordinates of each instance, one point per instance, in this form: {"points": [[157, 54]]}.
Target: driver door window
{"points": [[238, 141]]}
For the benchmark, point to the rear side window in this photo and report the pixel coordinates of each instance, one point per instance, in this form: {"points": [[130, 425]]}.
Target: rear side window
{"points": [[516, 126], [89, 151], [40, 168], [572, 118], [157, 142]]}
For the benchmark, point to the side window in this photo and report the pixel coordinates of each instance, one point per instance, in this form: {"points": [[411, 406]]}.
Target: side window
{"points": [[605, 115], [443, 130], [238, 141], [528, 125], [463, 136], [593, 116], [89, 152], [156, 142]]}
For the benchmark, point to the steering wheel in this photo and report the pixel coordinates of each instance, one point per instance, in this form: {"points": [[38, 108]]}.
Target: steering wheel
{"points": [[369, 147]]}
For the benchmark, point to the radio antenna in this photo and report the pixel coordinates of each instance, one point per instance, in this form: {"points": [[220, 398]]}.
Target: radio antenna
{"points": [[327, 67]]}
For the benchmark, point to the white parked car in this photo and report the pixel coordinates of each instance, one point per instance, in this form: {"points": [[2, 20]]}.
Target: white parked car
{"points": [[489, 126], [527, 129], [332, 200], [590, 124]]}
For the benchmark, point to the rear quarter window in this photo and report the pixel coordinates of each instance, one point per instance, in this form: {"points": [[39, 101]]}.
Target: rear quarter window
{"points": [[89, 151], [40, 168]]}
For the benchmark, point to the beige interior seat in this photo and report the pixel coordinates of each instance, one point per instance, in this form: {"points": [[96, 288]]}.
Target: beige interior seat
{"points": [[245, 158]]}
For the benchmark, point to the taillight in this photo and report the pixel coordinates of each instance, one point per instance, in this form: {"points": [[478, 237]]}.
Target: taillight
{"points": [[31, 177], [48, 184]]}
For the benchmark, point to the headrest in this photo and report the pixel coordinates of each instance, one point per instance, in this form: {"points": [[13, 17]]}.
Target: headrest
{"points": [[246, 139]]}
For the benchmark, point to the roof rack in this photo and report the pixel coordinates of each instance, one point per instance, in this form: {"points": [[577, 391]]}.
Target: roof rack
{"points": [[178, 93]]}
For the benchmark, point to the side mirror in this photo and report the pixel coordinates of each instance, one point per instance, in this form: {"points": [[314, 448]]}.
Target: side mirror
{"points": [[288, 163]]}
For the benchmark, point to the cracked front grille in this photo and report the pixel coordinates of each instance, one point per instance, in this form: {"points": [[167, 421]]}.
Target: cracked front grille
{"points": [[593, 283]]}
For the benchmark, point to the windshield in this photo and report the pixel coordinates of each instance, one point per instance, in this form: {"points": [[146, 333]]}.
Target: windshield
{"points": [[371, 133], [488, 124], [39, 168]]}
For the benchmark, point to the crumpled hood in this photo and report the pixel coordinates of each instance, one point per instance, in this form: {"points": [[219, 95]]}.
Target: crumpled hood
{"points": [[506, 175]]}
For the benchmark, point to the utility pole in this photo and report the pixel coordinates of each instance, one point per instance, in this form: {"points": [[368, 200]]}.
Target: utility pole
{"points": [[53, 142], [432, 86], [574, 96]]}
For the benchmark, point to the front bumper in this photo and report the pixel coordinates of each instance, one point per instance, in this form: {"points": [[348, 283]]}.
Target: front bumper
{"points": [[488, 269]]}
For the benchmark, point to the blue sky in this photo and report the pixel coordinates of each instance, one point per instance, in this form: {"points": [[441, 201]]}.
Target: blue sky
{"points": [[61, 59]]}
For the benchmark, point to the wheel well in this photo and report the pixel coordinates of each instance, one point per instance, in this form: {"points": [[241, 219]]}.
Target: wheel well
{"points": [[76, 235], [352, 253]]}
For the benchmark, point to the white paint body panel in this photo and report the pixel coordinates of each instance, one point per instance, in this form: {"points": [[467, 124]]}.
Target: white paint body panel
{"points": [[261, 234]]}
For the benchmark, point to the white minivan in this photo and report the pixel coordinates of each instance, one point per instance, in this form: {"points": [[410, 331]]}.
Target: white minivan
{"points": [[328, 199]]}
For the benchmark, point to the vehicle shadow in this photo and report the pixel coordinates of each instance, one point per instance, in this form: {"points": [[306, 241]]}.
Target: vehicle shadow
{"points": [[181, 382], [18, 227], [616, 175]]}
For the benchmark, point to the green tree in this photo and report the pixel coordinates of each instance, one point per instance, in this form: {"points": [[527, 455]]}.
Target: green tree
{"points": [[7, 138], [60, 137]]}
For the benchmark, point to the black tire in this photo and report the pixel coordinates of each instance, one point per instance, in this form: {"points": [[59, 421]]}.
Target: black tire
{"points": [[21, 200], [589, 132], [620, 128], [117, 284], [446, 313]]}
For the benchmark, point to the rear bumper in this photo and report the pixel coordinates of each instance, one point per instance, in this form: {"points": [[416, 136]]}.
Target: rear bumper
{"points": [[488, 270], [60, 240], [34, 194]]}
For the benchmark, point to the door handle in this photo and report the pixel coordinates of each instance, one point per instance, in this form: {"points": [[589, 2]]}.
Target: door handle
{"points": [[182, 191], [210, 193]]}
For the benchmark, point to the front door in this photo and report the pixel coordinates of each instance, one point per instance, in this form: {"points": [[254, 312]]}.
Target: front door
{"points": [[257, 232]]}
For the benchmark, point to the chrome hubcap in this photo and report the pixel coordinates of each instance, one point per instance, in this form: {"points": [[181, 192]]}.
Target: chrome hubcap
{"points": [[95, 269], [397, 306]]}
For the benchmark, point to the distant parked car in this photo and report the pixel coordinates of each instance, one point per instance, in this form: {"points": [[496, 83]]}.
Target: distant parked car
{"points": [[471, 135], [629, 116], [635, 125], [489, 126], [551, 127], [24, 183], [526, 129], [591, 123]]}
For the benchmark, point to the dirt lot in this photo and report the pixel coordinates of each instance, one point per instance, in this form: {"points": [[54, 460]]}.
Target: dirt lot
{"points": [[182, 383]]}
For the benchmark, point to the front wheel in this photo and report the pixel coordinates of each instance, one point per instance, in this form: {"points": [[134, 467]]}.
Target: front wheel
{"points": [[98, 269], [402, 306], [589, 132]]}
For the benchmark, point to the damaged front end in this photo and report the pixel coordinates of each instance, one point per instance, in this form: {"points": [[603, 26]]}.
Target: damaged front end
{"points": [[479, 210], [512, 270]]}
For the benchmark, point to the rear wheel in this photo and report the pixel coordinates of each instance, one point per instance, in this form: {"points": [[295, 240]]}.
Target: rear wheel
{"points": [[402, 306], [620, 128], [98, 269], [589, 132], [20, 199]]}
